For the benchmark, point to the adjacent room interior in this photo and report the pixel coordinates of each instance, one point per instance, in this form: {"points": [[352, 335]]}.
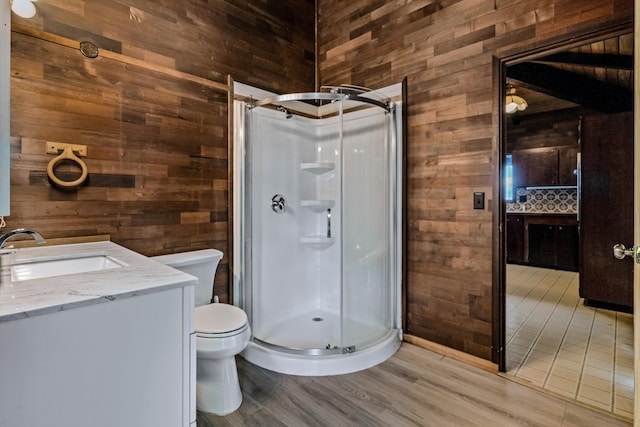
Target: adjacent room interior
{"points": [[569, 145]]}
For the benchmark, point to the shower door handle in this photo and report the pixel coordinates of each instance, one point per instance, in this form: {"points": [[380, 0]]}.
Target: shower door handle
{"points": [[328, 223]]}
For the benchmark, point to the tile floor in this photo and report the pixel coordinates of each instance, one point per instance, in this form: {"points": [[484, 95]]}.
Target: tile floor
{"points": [[557, 343]]}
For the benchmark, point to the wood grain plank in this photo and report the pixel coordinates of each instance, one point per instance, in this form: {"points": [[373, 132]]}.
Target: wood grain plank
{"points": [[415, 387]]}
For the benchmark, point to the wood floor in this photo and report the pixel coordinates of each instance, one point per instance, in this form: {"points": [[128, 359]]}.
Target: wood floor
{"points": [[415, 387]]}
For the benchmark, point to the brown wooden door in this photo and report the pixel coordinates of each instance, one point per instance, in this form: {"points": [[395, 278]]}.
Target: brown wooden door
{"points": [[606, 208]]}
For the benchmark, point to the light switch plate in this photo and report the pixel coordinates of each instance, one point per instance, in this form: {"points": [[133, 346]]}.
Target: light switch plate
{"points": [[478, 200]]}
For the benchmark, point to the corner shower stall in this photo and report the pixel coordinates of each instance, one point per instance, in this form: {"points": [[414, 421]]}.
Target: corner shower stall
{"points": [[317, 258]]}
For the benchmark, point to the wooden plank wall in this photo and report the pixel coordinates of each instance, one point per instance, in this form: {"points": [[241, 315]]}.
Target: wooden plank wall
{"points": [[157, 141], [151, 108], [445, 49], [545, 130]]}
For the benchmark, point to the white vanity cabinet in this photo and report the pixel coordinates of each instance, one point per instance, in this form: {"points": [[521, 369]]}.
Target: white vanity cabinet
{"points": [[122, 360]]}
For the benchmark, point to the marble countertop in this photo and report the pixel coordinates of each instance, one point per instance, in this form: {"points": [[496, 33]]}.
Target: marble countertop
{"points": [[138, 275]]}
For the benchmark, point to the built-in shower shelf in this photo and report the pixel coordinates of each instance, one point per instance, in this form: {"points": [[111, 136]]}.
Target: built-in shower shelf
{"points": [[317, 242], [318, 168], [317, 205]]}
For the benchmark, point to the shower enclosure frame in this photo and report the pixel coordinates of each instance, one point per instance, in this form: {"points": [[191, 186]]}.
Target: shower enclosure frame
{"points": [[337, 359]]}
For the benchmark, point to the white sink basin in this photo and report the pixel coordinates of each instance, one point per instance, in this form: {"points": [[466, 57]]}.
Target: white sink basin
{"points": [[39, 269]]}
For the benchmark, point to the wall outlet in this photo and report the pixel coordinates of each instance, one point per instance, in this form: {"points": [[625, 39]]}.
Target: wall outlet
{"points": [[478, 200]]}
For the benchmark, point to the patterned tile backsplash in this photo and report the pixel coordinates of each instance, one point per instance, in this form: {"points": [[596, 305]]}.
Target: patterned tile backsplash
{"points": [[561, 200]]}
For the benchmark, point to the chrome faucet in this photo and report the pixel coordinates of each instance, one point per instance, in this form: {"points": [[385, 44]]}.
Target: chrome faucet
{"points": [[37, 236]]}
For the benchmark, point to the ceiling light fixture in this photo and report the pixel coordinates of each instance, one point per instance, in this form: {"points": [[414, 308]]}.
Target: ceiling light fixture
{"points": [[513, 102], [23, 8]]}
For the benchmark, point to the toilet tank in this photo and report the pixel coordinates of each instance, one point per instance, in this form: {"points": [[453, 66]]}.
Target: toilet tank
{"points": [[201, 264]]}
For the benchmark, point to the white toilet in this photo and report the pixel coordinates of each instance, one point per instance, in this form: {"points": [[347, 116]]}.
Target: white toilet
{"points": [[222, 331]]}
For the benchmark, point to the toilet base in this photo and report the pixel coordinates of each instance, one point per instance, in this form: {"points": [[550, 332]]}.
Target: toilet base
{"points": [[217, 387]]}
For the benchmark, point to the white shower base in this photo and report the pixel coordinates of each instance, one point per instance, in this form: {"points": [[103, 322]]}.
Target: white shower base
{"points": [[303, 332], [317, 329]]}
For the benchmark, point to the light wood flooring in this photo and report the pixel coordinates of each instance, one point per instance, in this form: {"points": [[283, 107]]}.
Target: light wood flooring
{"points": [[557, 343], [415, 387]]}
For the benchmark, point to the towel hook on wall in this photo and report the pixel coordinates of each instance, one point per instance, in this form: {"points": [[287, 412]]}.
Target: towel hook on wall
{"points": [[67, 154]]}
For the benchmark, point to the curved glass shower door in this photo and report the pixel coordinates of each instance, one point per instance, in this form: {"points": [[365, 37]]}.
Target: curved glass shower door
{"points": [[291, 253], [366, 247], [320, 232]]}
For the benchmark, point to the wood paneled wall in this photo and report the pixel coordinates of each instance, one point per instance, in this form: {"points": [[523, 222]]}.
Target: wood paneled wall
{"points": [[445, 49], [545, 130], [150, 108], [157, 141]]}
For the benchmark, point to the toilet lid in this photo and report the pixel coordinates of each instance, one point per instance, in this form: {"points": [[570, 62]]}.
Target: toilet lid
{"points": [[219, 318]]}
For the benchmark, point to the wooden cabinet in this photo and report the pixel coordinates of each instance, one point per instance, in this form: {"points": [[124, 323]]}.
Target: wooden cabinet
{"points": [[535, 167], [541, 244], [567, 165], [554, 246], [550, 241], [568, 247], [547, 166], [515, 239]]}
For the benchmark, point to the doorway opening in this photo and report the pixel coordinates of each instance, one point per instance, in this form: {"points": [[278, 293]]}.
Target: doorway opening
{"points": [[562, 329]]}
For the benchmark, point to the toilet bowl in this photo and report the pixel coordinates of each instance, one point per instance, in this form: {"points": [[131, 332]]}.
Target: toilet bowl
{"points": [[222, 331]]}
